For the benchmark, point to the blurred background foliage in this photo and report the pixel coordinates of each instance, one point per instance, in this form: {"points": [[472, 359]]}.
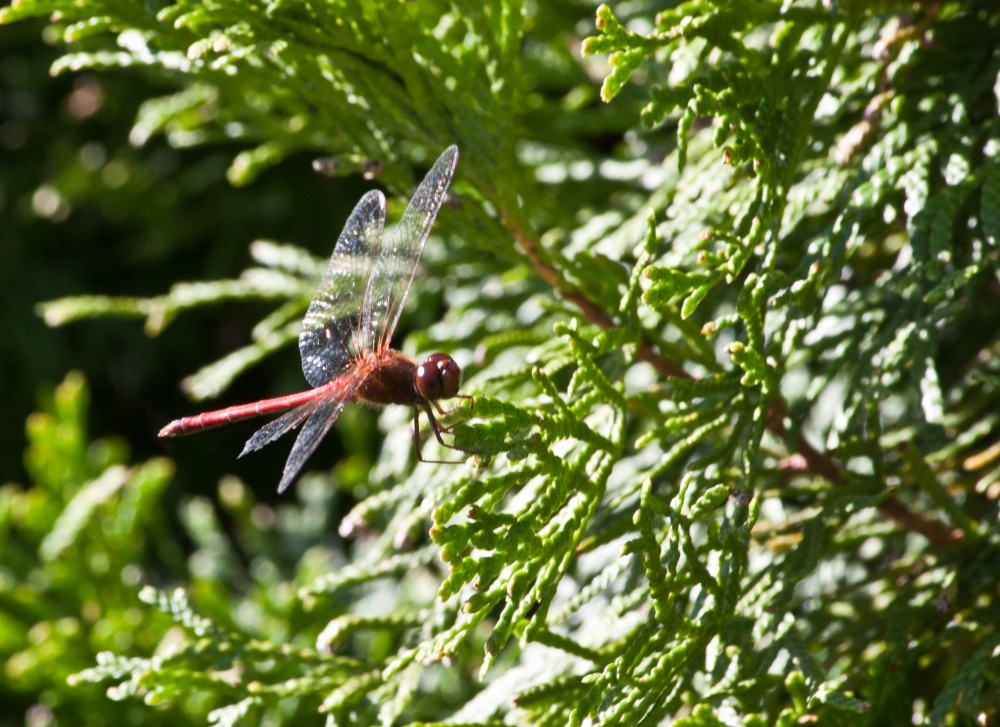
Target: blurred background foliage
{"points": [[722, 277]]}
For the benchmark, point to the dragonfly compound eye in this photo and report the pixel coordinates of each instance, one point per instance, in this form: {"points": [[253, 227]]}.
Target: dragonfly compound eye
{"points": [[438, 377]]}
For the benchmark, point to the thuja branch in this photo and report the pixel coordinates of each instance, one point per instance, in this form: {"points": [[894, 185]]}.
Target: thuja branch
{"points": [[591, 311], [825, 466], [813, 461]]}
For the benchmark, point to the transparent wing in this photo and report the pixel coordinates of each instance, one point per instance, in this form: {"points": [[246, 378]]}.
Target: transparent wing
{"points": [[312, 434], [390, 279], [279, 427], [332, 321]]}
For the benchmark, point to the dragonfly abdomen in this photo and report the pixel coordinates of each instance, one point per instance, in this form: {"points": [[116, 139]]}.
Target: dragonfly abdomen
{"points": [[220, 417]]}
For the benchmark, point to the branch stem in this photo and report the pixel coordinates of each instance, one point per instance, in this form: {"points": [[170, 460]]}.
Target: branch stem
{"points": [[818, 463]]}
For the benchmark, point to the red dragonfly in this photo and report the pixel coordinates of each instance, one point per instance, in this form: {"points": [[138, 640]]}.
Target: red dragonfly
{"points": [[346, 333]]}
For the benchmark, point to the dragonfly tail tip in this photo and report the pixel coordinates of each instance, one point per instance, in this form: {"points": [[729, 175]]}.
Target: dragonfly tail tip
{"points": [[171, 430]]}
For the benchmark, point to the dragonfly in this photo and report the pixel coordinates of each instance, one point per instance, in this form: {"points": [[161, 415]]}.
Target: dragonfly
{"points": [[345, 338]]}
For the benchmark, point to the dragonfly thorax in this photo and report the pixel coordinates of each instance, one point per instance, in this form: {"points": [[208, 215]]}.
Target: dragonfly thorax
{"points": [[397, 379]]}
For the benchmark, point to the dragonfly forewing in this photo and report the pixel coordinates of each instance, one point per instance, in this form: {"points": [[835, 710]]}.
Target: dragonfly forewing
{"points": [[401, 249], [330, 325]]}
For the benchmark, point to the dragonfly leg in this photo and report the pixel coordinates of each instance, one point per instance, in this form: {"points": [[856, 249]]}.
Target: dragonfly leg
{"points": [[416, 434], [436, 428], [445, 412]]}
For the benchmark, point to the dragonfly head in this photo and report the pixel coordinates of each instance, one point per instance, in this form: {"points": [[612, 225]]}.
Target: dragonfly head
{"points": [[438, 377]]}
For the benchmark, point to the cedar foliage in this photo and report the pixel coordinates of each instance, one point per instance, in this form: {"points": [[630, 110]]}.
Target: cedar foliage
{"points": [[732, 332]]}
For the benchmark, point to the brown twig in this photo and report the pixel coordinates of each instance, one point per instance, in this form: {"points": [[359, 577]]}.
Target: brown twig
{"points": [[591, 311], [818, 463]]}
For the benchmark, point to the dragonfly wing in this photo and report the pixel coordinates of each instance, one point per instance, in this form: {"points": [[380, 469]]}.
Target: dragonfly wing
{"points": [[312, 434], [330, 326], [279, 427], [390, 279]]}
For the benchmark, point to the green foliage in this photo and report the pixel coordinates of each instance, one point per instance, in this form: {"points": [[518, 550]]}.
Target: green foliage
{"points": [[75, 546], [751, 478], [79, 544]]}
